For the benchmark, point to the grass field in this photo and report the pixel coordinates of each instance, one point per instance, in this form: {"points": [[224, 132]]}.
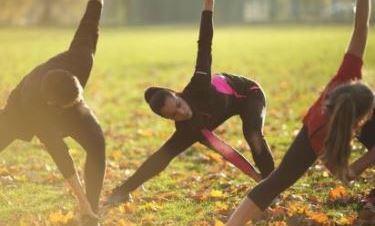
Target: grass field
{"points": [[292, 63]]}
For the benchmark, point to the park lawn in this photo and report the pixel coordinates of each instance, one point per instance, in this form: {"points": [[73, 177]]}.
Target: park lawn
{"points": [[292, 63]]}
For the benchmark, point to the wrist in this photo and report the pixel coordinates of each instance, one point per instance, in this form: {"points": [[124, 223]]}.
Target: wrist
{"points": [[208, 5]]}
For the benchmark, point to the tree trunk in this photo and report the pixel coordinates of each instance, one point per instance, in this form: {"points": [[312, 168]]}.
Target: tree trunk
{"points": [[46, 17], [295, 10]]}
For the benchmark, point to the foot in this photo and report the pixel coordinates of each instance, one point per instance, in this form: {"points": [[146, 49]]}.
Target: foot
{"points": [[117, 197], [367, 214], [87, 220]]}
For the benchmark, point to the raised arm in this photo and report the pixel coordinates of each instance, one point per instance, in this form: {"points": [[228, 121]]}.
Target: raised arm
{"points": [[202, 75], [358, 40], [86, 35], [230, 154], [204, 58]]}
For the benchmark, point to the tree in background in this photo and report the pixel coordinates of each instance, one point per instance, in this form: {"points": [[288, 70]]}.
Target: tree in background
{"points": [[12, 10], [48, 12], [116, 12], [122, 12], [295, 10]]}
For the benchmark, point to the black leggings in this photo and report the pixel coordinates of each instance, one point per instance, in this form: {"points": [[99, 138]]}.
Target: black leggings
{"points": [[295, 163], [81, 125], [253, 116]]}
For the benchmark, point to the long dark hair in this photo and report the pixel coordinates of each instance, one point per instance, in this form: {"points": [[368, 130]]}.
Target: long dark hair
{"points": [[345, 105]]}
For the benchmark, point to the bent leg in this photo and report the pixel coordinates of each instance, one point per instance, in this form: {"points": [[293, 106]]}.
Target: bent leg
{"points": [[297, 160], [295, 163], [87, 132], [253, 116]]}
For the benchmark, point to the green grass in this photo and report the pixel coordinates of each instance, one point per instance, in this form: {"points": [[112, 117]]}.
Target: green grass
{"points": [[291, 63]]}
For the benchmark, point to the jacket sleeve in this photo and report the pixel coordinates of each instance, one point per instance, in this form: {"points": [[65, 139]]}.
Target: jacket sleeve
{"points": [[202, 74], [230, 154], [59, 152], [86, 36]]}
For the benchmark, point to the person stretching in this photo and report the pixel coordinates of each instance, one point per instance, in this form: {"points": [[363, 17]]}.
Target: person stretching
{"points": [[48, 104], [204, 104], [328, 128]]}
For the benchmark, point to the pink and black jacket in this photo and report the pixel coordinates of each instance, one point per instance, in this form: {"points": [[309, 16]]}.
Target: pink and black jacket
{"points": [[213, 99]]}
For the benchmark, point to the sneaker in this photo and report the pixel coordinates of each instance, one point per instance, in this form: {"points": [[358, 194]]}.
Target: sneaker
{"points": [[117, 197]]}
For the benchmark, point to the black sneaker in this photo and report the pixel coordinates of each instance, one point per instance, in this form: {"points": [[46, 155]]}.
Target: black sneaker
{"points": [[117, 197]]}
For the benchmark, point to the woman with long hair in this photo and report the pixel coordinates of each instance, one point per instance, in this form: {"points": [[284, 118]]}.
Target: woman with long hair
{"points": [[343, 108], [205, 103]]}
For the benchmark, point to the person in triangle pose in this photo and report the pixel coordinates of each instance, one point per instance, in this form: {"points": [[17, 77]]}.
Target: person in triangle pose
{"points": [[204, 104], [48, 103], [342, 109]]}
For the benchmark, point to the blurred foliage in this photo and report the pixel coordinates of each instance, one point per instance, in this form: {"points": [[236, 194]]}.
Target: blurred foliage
{"points": [[292, 63], [26, 12], [121, 12]]}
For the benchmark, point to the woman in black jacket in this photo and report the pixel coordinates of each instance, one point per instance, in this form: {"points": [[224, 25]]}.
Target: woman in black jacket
{"points": [[205, 103]]}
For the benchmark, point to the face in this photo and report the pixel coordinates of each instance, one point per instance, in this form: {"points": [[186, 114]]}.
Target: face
{"points": [[176, 108]]}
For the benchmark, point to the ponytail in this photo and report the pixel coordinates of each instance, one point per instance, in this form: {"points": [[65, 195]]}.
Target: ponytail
{"points": [[340, 132], [346, 105]]}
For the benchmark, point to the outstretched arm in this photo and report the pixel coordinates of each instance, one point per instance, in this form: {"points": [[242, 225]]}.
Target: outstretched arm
{"points": [[60, 155], [86, 35], [358, 40], [230, 154], [204, 57], [158, 161], [361, 164]]}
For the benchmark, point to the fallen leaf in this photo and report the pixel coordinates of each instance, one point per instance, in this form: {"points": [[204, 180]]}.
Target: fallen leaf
{"points": [[320, 218], [218, 223], [278, 223], [216, 194], [59, 218], [338, 193]]}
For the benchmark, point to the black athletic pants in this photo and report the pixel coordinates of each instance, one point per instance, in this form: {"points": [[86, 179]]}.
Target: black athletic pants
{"points": [[295, 163]]}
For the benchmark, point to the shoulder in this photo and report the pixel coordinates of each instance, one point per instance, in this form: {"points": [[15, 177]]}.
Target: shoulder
{"points": [[188, 127], [200, 82], [350, 68]]}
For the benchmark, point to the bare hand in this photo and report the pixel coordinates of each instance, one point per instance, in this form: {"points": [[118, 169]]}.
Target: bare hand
{"points": [[208, 5]]}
